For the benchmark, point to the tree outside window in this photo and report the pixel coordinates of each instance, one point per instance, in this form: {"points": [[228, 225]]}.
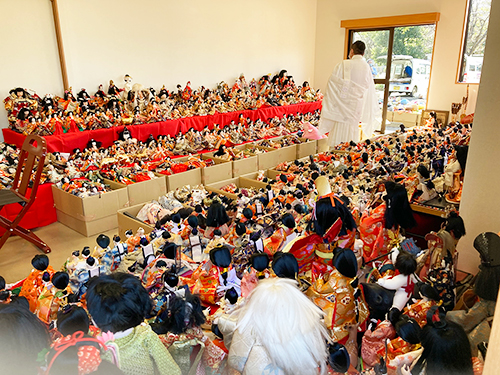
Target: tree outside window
{"points": [[476, 29]]}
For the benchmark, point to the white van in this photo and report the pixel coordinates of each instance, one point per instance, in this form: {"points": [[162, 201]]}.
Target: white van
{"points": [[409, 76]]}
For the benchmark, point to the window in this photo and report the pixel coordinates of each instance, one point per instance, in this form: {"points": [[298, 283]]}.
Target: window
{"points": [[474, 40]]}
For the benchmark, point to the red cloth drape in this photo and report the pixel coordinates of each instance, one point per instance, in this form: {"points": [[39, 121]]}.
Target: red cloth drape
{"points": [[40, 214], [76, 139]]}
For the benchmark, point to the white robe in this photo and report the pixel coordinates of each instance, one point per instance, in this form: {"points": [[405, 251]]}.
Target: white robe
{"points": [[350, 98]]}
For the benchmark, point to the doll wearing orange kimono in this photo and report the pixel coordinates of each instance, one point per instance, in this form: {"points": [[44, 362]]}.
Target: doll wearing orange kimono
{"points": [[54, 295], [33, 285], [333, 292]]}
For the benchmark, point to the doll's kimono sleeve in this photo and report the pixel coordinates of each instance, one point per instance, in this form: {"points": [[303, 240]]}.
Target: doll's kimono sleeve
{"points": [[240, 349], [163, 360]]}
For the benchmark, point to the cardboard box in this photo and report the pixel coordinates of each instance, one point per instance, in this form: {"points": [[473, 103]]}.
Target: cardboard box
{"points": [[192, 178], [146, 191], [241, 166], [268, 159], [306, 148], [126, 220], [94, 207], [90, 215], [240, 182], [408, 119], [390, 116], [222, 170], [88, 228], [322, 145]]}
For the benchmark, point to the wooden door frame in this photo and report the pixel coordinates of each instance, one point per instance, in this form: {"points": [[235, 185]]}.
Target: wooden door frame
{"points": [[390, 23]]}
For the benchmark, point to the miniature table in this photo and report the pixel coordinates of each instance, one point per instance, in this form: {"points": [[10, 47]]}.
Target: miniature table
{"points": [[72, 140]]}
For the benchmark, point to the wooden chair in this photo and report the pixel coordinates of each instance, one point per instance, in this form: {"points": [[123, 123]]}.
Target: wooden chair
{"points": [[28, 173]]}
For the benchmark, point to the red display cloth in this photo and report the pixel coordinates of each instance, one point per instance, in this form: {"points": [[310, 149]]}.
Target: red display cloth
{"points": [[76, 139], [40, 214]]}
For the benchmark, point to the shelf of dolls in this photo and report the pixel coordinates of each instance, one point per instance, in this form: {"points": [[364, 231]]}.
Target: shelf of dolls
{"points": [[40, 214], [228, 187], [79, 139], [241, 159]]}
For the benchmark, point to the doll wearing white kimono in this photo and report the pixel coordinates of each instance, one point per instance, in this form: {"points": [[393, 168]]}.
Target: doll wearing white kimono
{"points": [[404, 282]]}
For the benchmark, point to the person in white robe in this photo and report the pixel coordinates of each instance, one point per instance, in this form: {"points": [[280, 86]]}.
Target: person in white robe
{"points": [[350, 99]]}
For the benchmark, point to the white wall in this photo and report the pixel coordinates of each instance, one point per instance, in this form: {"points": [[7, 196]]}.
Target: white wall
{"points": [[480, 198], [28, 51], [443, 89], [155, 41]]}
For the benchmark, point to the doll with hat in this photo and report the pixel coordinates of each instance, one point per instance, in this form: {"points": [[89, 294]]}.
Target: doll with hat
{"points": [[331, 225], [103, 253]]}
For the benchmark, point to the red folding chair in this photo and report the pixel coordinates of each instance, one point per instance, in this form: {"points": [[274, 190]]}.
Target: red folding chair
{"points": [[28, 173]]}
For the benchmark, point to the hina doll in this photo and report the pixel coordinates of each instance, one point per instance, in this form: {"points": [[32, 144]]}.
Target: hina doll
{"points": [[33, 285], [103, 253], [380, 227], [332, 226], [118, 251], [178, 327], [418, 310], [54, 295], [334, 292], [259, 269], [214, 276], [403, 282], [217, 218]]}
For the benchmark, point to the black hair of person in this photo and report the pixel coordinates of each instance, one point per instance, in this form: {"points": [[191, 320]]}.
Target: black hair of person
{"points": [[285, 265], [216, 215], [40, 262], [408, 329], [181, 314], [221, 256], [169, 250], [398, 211], [288, 221], [117, 301], [22, 337], [446, 348], [338, 358], [259, 261], [327, 214], [406, 263], [345, 262], [455, 225], [60, 280], [72, 319]]}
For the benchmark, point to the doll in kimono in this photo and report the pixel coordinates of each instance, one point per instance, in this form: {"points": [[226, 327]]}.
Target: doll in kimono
{"points": [[32, 287], [54, 295]]}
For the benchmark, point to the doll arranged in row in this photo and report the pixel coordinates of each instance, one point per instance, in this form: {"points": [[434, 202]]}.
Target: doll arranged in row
{"points": [[134, 104], [322, 255]]}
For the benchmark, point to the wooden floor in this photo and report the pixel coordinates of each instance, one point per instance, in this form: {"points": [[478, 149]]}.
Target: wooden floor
{"points": [[16, 254]]}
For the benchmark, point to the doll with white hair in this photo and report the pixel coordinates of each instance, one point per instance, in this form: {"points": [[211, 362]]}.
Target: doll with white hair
{"points": [[279, 331]]}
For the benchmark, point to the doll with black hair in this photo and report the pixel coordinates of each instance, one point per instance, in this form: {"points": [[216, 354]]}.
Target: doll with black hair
{"points": [[334, 292], [259, 269], [403, 282], [332, 225], [54, 295], [425, 188], [283, 234], [442, 258], [33, 285], [118, 251], [428, 298], [381, 226], [446, 349], [178, 327], [169, 288], [454, 174], [118, 303], [81, 277], [217, 218]]}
